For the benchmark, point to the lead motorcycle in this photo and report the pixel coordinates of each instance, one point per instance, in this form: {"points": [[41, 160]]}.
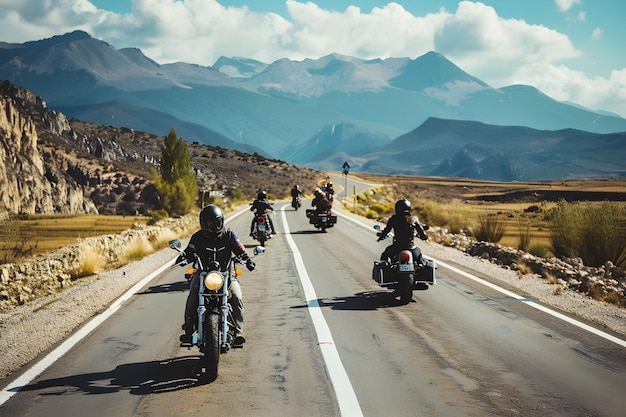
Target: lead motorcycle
{"points": [[216, 329], [403, 273]]}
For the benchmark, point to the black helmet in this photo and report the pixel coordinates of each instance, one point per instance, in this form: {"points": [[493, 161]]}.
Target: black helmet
{"points": [[211, 220], [262, 195], [403, 207]]}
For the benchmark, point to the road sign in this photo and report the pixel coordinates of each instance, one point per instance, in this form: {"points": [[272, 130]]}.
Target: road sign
{"points": [[346, 167]]}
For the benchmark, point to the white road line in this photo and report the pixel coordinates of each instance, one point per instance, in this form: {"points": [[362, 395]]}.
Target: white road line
{"points": [[508, 293], [64, 347], [348, 402], [34, 371]]}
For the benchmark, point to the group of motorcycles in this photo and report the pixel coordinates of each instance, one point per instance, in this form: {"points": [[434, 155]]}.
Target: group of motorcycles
{"points": [[216, 329]]}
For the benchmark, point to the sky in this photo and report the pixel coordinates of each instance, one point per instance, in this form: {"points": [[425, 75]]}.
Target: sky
{"points": [[572, 50]]}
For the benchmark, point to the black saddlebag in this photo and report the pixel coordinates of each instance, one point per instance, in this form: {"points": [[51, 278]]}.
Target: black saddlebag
{"points": [[427, 274], [382, 273]]}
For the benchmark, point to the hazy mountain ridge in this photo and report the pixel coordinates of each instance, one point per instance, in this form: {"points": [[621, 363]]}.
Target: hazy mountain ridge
{"points": [[276, 107]]}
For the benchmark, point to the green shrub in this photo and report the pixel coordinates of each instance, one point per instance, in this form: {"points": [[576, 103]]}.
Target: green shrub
{"points": [[524, 237], [595, 232], [156, 215], [489, 229], [539, 250]]}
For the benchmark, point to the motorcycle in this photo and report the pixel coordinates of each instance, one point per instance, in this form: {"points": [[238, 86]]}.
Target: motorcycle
{"points": [[321, 220], [216, 329], [261, 231], [404, 274], [296, 202]]}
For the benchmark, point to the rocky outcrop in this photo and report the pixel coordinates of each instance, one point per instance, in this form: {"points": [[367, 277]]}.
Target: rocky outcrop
{"points": [[56, 165], [607, 282], [31, 183]]}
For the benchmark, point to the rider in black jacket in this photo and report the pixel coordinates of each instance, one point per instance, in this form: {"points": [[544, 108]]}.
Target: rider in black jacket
{"points": [[405, 227], [214, 242], [261, 206]]}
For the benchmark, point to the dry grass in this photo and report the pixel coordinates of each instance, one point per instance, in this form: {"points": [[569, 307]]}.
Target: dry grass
{"points": [[135, 250], [90, 261]]}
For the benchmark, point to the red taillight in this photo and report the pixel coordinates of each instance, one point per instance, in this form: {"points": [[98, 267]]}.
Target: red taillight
{"points": [[405, 257], [261, 219]]}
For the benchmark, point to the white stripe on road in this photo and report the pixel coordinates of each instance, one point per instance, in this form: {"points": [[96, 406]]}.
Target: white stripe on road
{"points": [[533, 304], [35, 370], [348, 403], [64, 347]]}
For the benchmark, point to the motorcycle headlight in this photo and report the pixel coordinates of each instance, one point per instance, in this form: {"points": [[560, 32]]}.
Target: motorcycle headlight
{"points": [[213, 280]]}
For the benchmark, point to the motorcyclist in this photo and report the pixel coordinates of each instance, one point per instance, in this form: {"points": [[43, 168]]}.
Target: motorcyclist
{"points": [[296, 192], [328, 188], [214, 242], [405, 228], [320, 202], [262, 207]]}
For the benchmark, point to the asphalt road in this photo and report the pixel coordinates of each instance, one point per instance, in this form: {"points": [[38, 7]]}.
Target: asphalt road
{"points": [[325, 340]]}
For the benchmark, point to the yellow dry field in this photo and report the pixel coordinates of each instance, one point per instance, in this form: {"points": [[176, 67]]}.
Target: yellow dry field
{"points": [[511, 202], [48, 232]]}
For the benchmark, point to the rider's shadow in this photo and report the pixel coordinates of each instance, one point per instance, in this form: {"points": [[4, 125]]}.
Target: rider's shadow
{"points": [[141, 378]]}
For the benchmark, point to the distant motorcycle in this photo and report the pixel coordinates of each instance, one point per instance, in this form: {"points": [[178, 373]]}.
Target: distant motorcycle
{"points": [[216, 329], [296, 202], [403, 274], [322, 220]]}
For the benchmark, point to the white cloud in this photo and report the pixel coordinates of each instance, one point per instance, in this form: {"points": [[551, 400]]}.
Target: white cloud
{"points": [[493, 48], [565, 5], [497, 50], [596, 34]]}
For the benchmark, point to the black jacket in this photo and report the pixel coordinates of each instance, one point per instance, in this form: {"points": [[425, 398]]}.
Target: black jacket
{"points": [[261, 207], [217, 249], [403, 231]]}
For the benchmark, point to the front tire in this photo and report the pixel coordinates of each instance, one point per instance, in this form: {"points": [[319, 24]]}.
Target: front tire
{"points": [[212, 345]]}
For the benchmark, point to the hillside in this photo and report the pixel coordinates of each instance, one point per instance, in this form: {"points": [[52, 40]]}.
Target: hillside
{"points": [[53, 164]]}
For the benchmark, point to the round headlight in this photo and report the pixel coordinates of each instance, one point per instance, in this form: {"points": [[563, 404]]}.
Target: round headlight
{"points": [[213, 281]]}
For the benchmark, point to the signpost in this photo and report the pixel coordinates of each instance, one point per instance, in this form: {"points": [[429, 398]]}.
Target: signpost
{"points": [[346, 169]]}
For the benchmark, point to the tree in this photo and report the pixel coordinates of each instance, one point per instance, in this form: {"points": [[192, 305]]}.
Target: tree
{"points": [[177, 184]]}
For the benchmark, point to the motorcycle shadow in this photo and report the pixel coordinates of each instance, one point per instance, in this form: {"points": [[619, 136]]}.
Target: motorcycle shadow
{"points": [[306, 232], [143, 378], [364, 301]]}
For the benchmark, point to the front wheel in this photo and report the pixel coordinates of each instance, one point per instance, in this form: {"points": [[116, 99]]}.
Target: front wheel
{"points": [[212, 345]]}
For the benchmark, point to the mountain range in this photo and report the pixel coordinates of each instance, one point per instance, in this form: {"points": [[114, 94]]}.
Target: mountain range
{"points": [[422, 116]]}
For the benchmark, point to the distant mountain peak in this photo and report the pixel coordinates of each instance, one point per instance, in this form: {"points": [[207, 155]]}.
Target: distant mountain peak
{"points": [[77, 35]]}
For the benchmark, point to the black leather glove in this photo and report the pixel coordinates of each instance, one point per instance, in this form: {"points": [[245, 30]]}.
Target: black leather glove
{"points": [[250, 265], [180, 258]]}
